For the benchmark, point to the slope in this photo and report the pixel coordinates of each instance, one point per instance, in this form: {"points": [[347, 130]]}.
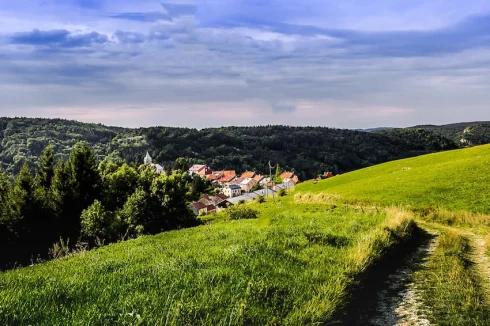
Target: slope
{"points": [[455, 180]]}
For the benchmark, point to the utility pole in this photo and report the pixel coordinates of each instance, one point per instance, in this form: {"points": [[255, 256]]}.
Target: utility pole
{"points": [[270, 177]]}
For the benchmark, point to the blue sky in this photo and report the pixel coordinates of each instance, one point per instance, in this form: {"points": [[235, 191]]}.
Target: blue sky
{"points": [[246, 62]]}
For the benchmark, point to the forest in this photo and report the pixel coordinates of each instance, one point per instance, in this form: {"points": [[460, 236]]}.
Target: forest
{"points": [[66, 204], [308, 151]]}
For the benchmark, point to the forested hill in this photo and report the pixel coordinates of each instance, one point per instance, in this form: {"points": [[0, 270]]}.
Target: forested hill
{"points": [[463, 133], [307, 150]]}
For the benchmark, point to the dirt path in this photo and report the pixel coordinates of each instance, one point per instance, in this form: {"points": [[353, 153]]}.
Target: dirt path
{"points": [[400, 302], [482, 263], [390, 296]]}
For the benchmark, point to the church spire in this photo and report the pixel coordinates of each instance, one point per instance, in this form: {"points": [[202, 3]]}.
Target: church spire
{"points": [[148, 159]]}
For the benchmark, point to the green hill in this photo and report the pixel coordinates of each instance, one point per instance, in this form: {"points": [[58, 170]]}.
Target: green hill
{"points": [[457, 180], [294, 265]]}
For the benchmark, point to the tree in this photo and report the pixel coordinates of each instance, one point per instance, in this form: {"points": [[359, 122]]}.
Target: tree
{"points": [[96, 224], [279, 171], [181, 164], [136, 214], [169, 193], [45, 172], [118, 184]]}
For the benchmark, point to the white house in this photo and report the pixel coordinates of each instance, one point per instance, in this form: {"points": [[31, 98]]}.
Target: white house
{"points": [[232, 190], [248, 184]]}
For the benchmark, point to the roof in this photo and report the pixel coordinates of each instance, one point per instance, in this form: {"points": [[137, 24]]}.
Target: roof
{"points": [[234, 186], [287, 175], [222, 196], [265, 180], [258, 177], [237, 181], [264, 192], [198, 205], [236, 200], [248, 174], [197, 167], [296, 179], [247, 181], [210, 208]]}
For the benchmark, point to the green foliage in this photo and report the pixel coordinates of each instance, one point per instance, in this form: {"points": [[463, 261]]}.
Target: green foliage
{"points": [[241, 213], [261, 199], [308, 151], [282, 193], [97, 223], [181, 164], [76, 200]]}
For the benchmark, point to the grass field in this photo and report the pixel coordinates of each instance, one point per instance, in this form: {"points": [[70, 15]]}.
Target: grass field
{"points": [[456, 180], [293, 266]]}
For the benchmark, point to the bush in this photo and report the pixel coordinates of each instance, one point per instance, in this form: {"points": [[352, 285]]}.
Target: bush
{"points": [[281, 193], [261, 199], [241, 213], [97, 223]]}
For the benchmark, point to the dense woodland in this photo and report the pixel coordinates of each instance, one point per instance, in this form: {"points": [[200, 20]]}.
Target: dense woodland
{"points": [[80, 202], [306, 150]]}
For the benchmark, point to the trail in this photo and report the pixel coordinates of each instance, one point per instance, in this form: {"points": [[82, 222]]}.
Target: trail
{"points": [[482, 264], [391, 297], [400, 302]]}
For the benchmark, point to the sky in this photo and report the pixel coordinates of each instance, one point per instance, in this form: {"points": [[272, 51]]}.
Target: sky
{"points": [[210, 63]]}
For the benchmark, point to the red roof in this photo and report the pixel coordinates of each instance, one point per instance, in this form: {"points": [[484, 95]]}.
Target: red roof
{"points": [[287, 175], [199, 205], [222, 196], [210, 208], [258, 177], [197, 167], [247, 175], [296, 179]]}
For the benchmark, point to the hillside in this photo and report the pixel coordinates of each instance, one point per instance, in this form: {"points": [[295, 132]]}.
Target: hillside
{"points": [[294, 265], [455, 180], [464, 133], [308, 150]]}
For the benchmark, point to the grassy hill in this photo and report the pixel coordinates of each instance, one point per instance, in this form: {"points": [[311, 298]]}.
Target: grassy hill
{"points": [[456, 180], [294, 265]]}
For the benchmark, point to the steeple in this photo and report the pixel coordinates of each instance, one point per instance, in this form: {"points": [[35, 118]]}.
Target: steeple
{"points": [[148, 159]]}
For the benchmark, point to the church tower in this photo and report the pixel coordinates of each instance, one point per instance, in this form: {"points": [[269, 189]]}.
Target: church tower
{"points": [[148, 159]]}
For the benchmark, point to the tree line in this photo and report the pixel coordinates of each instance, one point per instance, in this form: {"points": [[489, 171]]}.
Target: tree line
{"points": [[80, 201], [308, 150]]}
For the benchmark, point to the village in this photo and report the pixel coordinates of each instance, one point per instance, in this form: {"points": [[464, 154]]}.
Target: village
{"points": [[233, 189]]}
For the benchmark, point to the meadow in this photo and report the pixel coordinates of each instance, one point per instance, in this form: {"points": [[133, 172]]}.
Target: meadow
{"points": [[456, 180], [293, 265]]}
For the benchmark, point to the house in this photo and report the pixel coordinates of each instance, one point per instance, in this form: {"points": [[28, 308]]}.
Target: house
{"points": [[248, 184], [213, 200], [155, 167], [198, 208], [202, 170], [202, 209], [232, 190], [266, 182], [222, 177], [258, 178], [328, 175], [290, 175], [247, 175]]}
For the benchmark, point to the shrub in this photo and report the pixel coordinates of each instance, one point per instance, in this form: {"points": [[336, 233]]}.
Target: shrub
{"points": [[261, 199], [241, 213], [281, 193]]}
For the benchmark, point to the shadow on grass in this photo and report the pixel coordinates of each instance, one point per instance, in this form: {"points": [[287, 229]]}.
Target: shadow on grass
{"points": [[379, 298]]}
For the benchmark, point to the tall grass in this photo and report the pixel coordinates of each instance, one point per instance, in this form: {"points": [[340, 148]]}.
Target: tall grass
{"points": [[293, 265], [452, 288]]}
